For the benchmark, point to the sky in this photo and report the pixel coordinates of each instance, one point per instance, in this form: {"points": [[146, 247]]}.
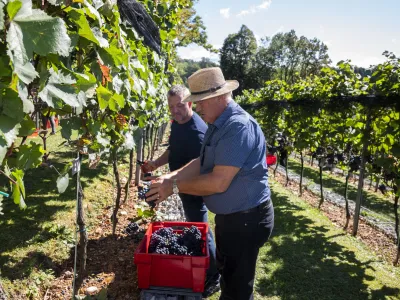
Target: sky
{"points": [[352, 29]]}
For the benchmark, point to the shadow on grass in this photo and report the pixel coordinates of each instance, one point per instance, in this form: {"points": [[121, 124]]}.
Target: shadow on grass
{"points": [[370, 200], [38, 223], [303, 262], [24, 267]]}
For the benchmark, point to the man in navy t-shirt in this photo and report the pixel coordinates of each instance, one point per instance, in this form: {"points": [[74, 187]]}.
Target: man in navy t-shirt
{"points": [[187, 133]]}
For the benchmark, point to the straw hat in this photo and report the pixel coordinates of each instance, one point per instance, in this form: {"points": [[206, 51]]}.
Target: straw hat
{"points": [[208, 83]]}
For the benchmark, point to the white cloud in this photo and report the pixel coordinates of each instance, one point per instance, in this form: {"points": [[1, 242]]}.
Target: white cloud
{"points": [[225, 12], [254, 8], [265, 4], [394, 41], [196, 53], [321, 29], [328, 43]]}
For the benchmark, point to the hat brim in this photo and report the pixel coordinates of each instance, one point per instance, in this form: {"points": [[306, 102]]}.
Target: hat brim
{"points": [[230, 86]]}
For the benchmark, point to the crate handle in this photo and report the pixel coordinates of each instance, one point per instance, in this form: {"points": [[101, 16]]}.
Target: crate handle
{"points": [[171, 257], [178, 227]]}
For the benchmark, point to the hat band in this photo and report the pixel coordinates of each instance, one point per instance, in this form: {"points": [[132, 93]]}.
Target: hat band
{"points": [[212, 90]]}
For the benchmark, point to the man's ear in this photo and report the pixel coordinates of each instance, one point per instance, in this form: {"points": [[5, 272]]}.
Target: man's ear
{"points": [[190, 104]]}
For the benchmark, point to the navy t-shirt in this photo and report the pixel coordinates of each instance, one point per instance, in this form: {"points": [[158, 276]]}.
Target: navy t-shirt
{"points": [[185, 141]]}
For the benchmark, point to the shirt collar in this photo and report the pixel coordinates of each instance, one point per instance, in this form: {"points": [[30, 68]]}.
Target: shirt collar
{"points": [[225, 114]]}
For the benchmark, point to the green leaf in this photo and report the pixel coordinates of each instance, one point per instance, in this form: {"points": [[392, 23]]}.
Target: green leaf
{"points": [[30, 156], [116, 102], [93, 13], [26, 72], [13, 7], [103, 96], [87, 83], [28, 106], [60, 87], [5, 68], [68, 125], [163, 35], [118, 56], [19, 188], [103, 43], [11, 105], [9, 128], [84, 30], [36, 32], [27, 126], [62, 183]]}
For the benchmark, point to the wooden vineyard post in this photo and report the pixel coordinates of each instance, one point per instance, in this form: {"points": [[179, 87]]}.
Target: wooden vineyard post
{"points": [[139, 154], [361, 175]]}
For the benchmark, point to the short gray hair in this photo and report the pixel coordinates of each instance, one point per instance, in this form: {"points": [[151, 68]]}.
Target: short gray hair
{"points": [[178, 90]]}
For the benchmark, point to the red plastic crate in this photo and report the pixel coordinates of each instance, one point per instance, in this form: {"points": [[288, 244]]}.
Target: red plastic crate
{"points": [[176, 271], [271, 159]]}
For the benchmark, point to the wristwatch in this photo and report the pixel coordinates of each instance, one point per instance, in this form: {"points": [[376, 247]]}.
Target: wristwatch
{"points": [[175, 188]]}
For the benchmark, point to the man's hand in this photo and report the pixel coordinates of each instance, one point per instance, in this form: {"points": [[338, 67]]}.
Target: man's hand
{"points": [[160, 189], [148, 166]]}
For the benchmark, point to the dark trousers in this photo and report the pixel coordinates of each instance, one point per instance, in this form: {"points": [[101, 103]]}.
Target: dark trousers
{"points": [[239, 237], [196, 211]]}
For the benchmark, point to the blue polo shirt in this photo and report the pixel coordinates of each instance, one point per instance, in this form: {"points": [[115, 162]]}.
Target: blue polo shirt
{"points": [[185, 141], [235, 139]]}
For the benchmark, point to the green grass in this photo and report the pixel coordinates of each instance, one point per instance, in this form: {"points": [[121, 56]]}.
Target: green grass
{"points": [[381, 206], [309, 258], [35, 242]]}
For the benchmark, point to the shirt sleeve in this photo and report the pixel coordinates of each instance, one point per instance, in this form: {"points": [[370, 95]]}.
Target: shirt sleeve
{"points": [[235, 146]]}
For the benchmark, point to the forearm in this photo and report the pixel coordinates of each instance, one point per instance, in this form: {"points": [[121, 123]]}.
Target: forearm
{"points": [[203, 185], [162, 160], [190, 170]]}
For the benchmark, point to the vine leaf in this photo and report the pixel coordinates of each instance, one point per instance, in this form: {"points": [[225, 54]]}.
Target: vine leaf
{"points": [[19, 188], [9, 128], [28, 106], [27, 126], [62, 183], [93, 13], [103, 96], [60, 86], [30, 156], [26, 72], [67, 125], [116, 102], [13, 7], [32, 30]]}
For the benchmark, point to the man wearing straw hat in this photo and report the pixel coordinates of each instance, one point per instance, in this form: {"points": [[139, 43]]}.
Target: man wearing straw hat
{"points": [[187, 134], [232, 176]]}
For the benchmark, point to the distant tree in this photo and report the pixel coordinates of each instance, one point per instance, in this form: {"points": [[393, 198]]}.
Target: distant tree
{"points": [[187, 67], [192, 29], [295, 57], [237, 57], [364, 72]]}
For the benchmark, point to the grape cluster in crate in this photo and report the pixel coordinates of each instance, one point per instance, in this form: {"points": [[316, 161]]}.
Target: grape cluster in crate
{"points": [[166, 241]]}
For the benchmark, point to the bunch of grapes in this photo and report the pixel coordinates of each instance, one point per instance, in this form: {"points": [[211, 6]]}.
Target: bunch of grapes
{"points": [[134, 231], [354, 163], [132, 228], [142, 195], [166, 241]]}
